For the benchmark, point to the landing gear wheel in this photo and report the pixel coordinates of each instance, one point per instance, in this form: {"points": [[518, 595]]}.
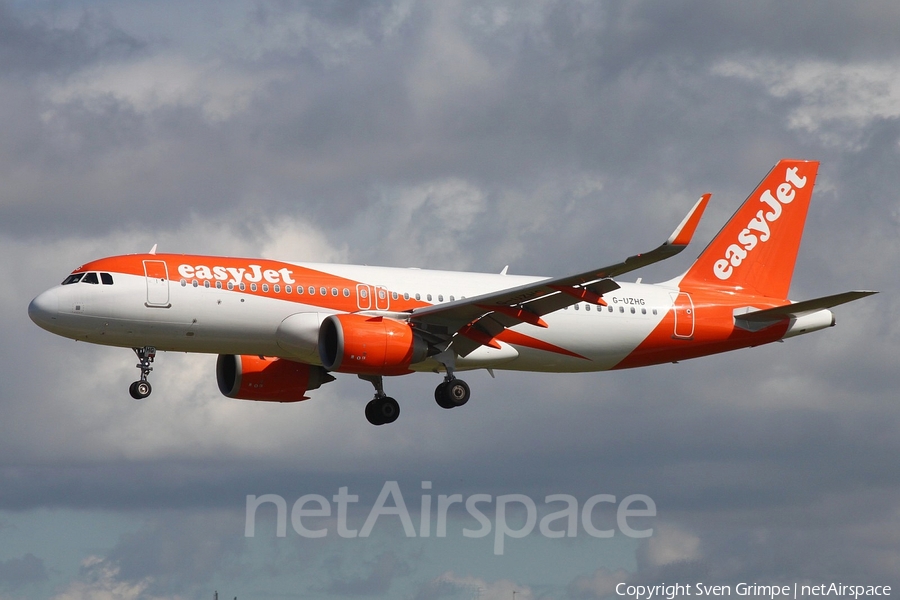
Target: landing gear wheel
{"points": [[451, 394], [372, 415], [440, 396], [140, 390], [381, 411], [457, 392]]}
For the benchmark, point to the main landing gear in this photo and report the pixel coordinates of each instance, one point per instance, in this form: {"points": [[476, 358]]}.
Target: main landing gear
{"points": [[452, 392], [383, 409], [141, 389]]}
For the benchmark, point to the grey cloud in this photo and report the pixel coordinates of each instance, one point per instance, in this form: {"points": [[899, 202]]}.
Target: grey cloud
{"points": [[17, 572], [382, 570], [177, 550], [29, 48]]}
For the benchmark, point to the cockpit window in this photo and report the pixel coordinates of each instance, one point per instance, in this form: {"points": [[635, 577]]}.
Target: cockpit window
{"points": [[90, 278], [106, 279], [73, 278]]}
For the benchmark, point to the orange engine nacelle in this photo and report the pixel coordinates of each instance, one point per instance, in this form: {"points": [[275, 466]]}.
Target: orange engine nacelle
{"points": [[267, 379], [369, 345]]}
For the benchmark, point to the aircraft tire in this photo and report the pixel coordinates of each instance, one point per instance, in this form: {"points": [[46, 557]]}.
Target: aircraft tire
{"points": [[372, 413], [457, 392], [381, 411], [140, 390], [390, 409], [441, 397]]}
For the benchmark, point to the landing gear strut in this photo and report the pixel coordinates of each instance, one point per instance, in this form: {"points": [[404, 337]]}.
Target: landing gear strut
{"points": [[382, 409], [141, 389]]}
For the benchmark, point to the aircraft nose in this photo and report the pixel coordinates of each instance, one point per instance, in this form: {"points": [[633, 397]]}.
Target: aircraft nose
{"points": [[44, 309]]}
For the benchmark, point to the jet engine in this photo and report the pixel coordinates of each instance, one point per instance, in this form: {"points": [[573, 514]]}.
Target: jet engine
{"points": [[267, 379], [369, 345]]}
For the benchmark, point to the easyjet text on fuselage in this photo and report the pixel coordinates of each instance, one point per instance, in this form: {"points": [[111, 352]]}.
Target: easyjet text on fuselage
{"points": [[235, 275]]}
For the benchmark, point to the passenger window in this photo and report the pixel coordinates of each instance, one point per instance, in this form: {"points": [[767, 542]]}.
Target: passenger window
{"points": [[406, 295], [230, 285], [346, 293], [194, 283], [576, 307], [440, 297], [632, 310], [91, 278], [277, 288], [206, 284], [265, 287], [243, 286], [312, 291], [610, 309], [395, 295], [218, 285], [418, 296], [252, 287], [323, 290], [587, 307], [428, 297], [106, 279], [643, 311], [654, 311], [621, 309], [452, 298], [287, 289], [75, 278], [334, 292]]}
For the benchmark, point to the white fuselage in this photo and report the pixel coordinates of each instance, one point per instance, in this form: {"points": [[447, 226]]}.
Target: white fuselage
{"points": [[187, 316]]}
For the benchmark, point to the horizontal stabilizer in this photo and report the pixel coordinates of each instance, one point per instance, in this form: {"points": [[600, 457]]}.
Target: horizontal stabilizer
{"points": [[798, 309]]}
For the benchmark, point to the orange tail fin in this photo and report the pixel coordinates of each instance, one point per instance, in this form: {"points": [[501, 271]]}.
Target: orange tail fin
{"points": [[757, 248]]}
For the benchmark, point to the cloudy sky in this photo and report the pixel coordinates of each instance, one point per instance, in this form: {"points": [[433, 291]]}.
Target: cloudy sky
{"points": [[551, 136]]}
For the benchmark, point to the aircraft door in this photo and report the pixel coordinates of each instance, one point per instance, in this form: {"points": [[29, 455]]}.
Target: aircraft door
{"points": [[157, 275], [363, 296], [684, 316], [382, 299]]}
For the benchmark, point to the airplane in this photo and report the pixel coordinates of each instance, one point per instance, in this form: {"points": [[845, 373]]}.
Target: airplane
{"points": [[282, 329]]}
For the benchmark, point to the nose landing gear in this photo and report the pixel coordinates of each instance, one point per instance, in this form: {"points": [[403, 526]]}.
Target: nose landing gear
{"points": [[141, 389]]}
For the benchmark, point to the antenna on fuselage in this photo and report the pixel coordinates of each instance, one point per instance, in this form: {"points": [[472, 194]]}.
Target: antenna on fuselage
{"points": [[153, 249]]}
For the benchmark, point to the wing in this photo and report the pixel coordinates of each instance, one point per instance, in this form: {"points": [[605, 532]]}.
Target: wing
{"points": [[469, 323]]}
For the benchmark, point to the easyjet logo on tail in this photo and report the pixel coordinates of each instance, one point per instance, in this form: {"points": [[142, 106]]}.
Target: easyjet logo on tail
{"points": [[757, 230]]}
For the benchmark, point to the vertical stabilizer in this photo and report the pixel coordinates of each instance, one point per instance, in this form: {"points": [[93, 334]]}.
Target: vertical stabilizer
{"points": [[757, 248]]}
